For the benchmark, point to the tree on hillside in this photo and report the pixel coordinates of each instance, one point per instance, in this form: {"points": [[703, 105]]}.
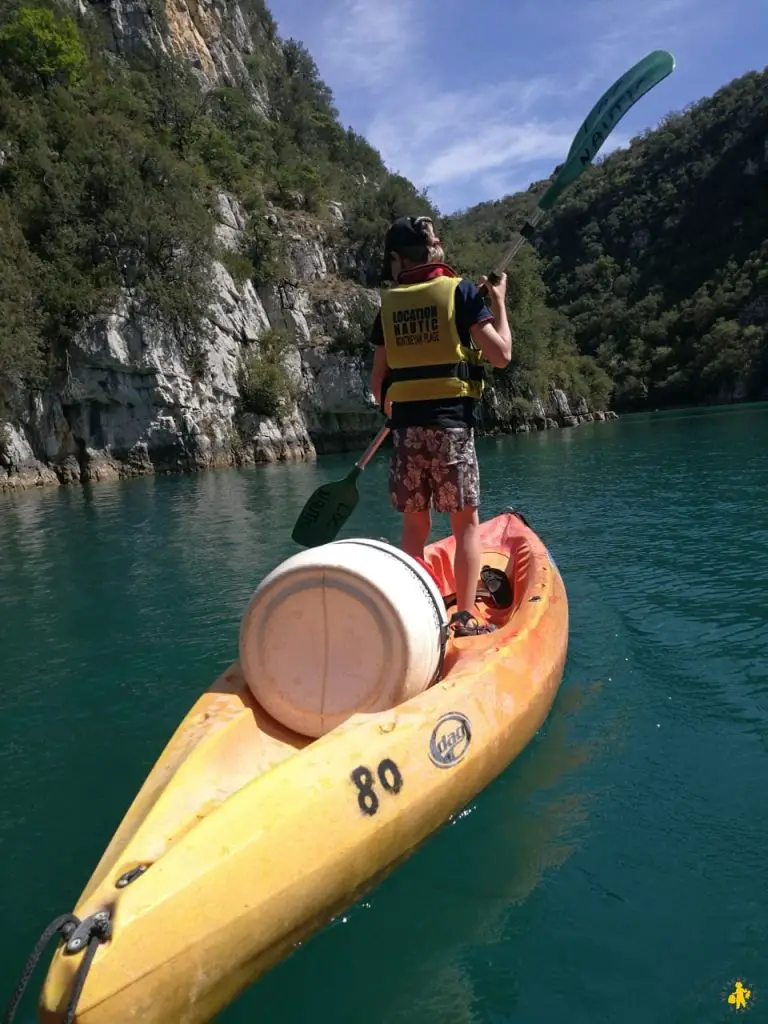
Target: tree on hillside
{"points": [[21, 350], [39, 48]]}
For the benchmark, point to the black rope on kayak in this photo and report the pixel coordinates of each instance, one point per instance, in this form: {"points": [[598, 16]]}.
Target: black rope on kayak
{"points": [[88, 933], [63, 926], [94, 942]]}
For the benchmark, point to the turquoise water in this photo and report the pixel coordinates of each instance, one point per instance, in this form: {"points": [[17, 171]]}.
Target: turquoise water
{"points": [[615, 872]]}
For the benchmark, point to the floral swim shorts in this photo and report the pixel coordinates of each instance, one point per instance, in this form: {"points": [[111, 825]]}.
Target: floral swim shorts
{"points": [[434, 466]]}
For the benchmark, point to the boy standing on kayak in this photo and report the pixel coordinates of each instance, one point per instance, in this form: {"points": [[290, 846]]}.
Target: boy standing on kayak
{"points": [[427, 377]]}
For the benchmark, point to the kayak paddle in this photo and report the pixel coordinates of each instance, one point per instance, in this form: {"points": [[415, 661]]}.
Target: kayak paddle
{"points": [[595, 129], [631, 87], [331, 505], [328, 509]]}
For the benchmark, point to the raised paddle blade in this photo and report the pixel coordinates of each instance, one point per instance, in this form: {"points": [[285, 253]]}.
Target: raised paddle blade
{"points": [[594, 130], [326, 511], [616, 101]]}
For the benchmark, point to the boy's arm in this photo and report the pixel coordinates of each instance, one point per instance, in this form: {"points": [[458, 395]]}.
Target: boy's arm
{"points": [[491, 332], [379, 371]]}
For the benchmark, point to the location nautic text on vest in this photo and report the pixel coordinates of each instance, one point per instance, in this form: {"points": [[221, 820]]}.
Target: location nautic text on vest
{"points": [[415, 326]]}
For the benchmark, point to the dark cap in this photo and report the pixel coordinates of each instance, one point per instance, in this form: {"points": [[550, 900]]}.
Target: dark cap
{"points": [[403, 234]]}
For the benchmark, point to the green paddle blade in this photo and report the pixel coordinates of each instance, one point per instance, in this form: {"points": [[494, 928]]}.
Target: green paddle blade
{"points": [[326, 511], [624, 93], [603, 118], [594, 130]]}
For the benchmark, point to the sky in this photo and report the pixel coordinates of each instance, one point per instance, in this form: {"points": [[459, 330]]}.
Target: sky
{"points": [[474, 101]]}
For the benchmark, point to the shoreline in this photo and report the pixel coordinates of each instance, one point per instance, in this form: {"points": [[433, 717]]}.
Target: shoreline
{"points": [[102, 466]]}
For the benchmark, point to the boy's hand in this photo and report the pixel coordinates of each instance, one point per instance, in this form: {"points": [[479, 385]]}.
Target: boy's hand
{"points": [[498, 291]]}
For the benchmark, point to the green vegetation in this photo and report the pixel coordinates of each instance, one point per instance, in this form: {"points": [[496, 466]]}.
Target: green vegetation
{"points": [[36, 48], [658, 259], [237, 263], [20, 354], [97, 198], [649, 283], [353, 339], [265, 385], [109, 172]]}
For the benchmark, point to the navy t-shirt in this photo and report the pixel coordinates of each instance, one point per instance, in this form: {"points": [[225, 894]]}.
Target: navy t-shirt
{"points": [[470, 309]]}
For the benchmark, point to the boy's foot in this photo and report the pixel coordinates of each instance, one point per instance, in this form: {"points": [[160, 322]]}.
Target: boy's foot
{"points": [[465, 624]]}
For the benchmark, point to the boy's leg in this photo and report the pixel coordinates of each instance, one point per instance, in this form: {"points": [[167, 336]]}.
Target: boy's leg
{"points": [[409, 487], [416, 527], [466, 564], [456, 485]]}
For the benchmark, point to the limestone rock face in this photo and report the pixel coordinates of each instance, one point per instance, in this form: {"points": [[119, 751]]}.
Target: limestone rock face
{"points": [[129, 402], [210, 36]]}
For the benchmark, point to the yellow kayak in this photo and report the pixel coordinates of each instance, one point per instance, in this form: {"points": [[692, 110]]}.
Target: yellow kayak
{"points": [[247, 837]]}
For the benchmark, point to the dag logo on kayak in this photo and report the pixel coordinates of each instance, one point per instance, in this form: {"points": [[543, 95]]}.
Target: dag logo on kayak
{"points": [[450, 740]]}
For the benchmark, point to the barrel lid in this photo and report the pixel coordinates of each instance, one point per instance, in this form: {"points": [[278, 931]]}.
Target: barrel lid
{"points": [[334, 631]]}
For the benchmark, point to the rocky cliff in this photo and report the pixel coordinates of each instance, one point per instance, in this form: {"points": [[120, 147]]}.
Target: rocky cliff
{"points": [[128, 403], [125, 399]]}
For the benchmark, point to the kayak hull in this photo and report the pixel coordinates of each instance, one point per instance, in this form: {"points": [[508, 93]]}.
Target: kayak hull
{"points": [[252, 838]]}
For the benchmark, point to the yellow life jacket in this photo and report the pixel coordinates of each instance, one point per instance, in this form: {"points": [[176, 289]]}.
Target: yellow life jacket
{"points": [[425, 355]]}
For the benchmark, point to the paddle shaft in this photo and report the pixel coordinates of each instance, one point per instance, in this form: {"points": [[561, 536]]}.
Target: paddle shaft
{"points": [[526, 232], [372, 448]]}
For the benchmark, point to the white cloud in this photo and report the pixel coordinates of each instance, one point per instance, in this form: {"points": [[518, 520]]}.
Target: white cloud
{"points": [[521, 124], [516, 173], [489, 148], [615, 35], [420, 140], [368, 42]]}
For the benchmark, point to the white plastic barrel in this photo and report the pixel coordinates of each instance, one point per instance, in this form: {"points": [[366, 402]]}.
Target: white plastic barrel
{"points": [[351, 626]]}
